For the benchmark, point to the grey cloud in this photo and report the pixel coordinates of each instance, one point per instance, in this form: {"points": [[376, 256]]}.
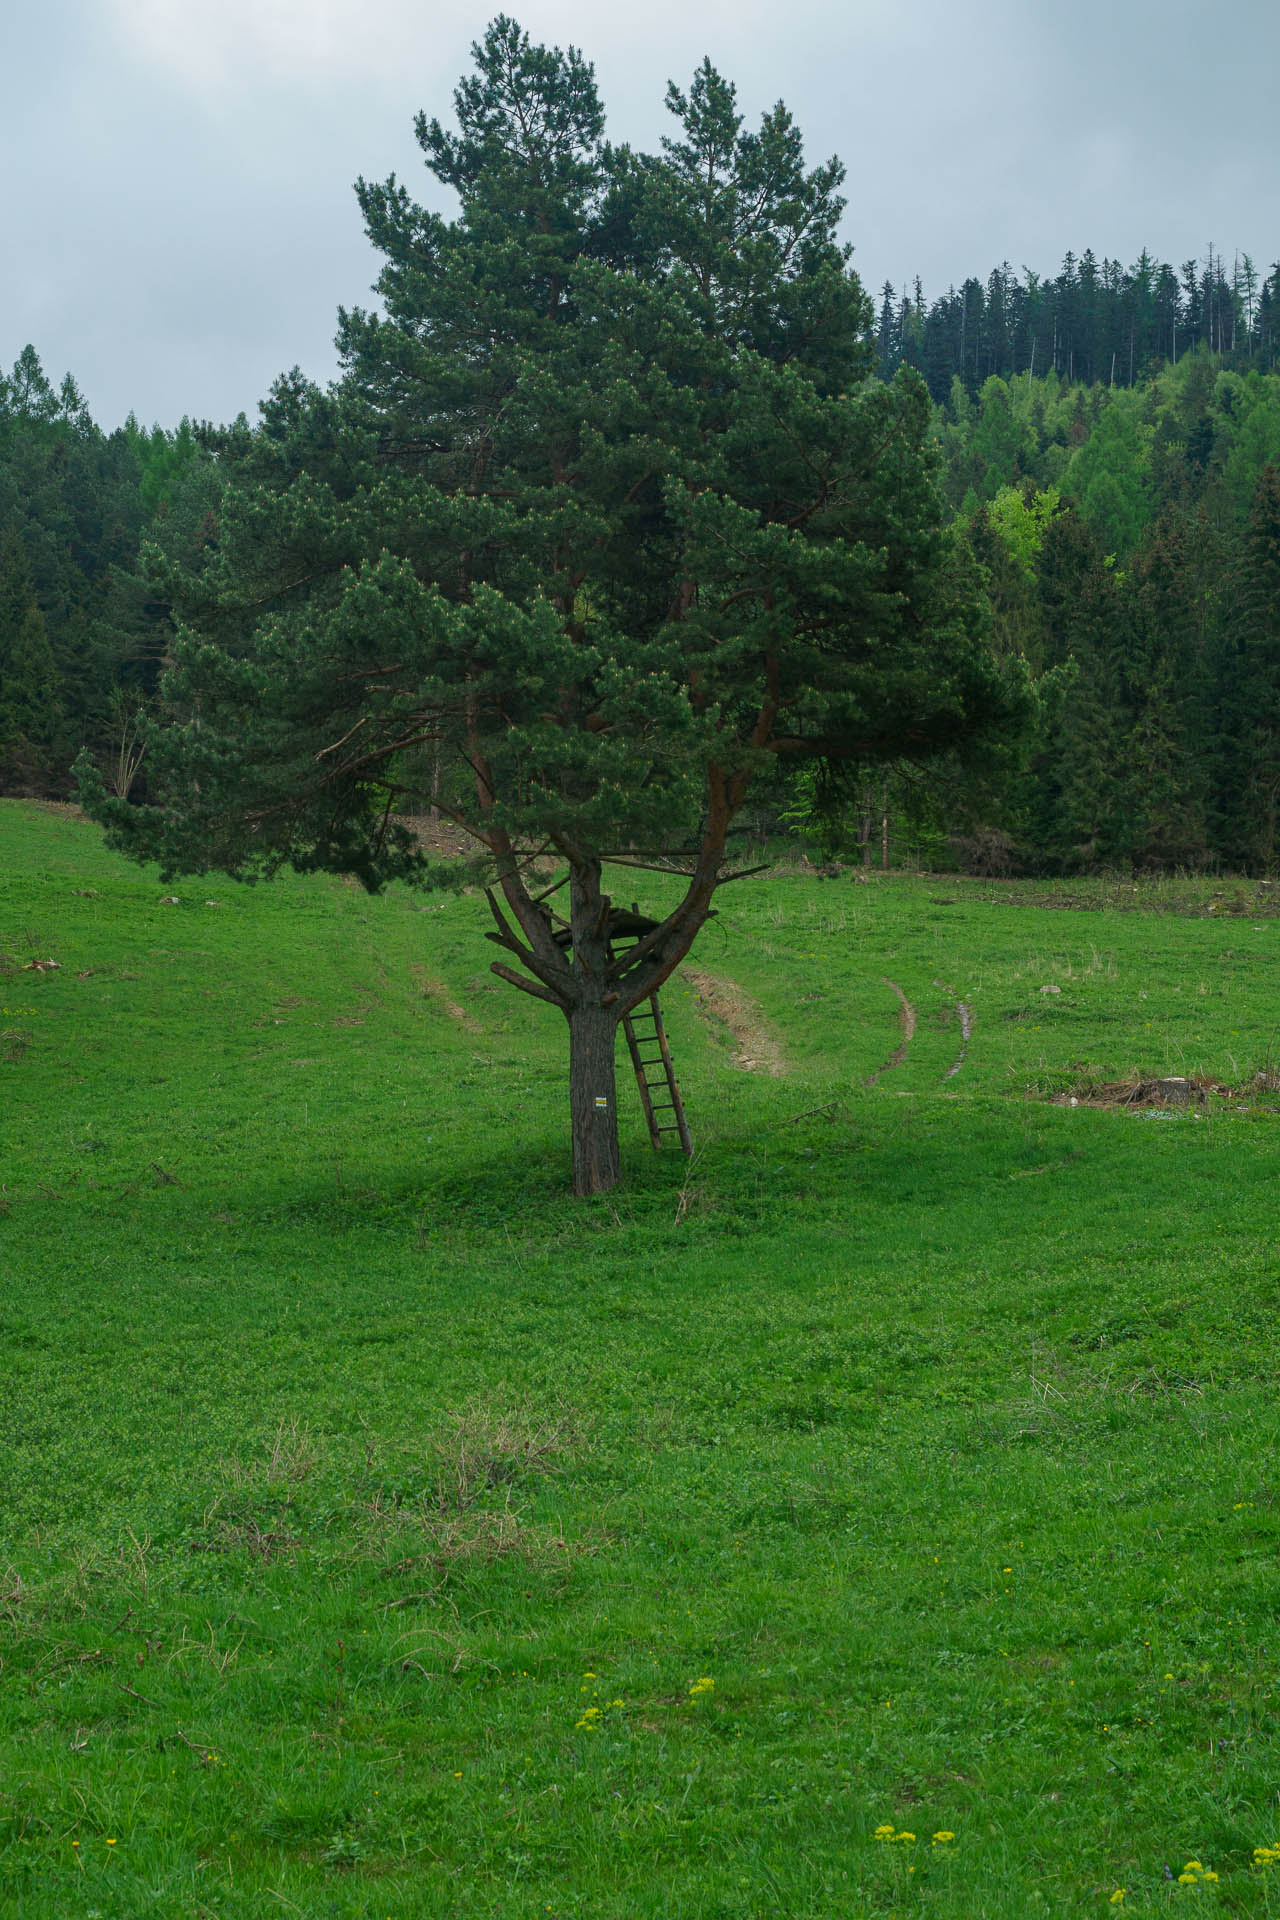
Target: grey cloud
{"points": [[178, 223]]}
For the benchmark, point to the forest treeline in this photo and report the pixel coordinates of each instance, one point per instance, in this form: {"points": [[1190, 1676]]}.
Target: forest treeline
{"points": [[1096, 322], [1126, 536], [83, 634]]}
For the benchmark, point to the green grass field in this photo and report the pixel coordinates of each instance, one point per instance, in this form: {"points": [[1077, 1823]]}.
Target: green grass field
{"points": [[386, 1534]]}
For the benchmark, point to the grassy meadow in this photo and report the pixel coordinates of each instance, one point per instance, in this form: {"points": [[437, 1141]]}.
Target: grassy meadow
{"points": [[876, 1516]]}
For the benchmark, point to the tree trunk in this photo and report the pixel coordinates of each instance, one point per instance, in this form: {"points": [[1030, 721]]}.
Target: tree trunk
{"points": [[593, 1105], [595, 987]]}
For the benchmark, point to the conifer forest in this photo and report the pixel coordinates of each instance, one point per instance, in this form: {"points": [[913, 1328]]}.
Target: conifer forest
{"points": [[1107, 442]]}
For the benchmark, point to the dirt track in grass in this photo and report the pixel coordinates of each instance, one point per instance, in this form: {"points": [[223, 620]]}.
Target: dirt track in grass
{"points": [[758, 1050]]}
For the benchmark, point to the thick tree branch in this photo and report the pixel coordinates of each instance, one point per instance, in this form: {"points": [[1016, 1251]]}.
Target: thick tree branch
{"points": [[515, 979]]}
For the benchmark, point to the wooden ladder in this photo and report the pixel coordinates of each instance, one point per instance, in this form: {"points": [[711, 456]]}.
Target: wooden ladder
{"points": [[655, 1075]]}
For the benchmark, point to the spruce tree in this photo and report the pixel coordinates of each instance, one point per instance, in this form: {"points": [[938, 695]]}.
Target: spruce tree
{"points": [[1079, 808], [1165, 672], [1249, 759], [29, 705]]}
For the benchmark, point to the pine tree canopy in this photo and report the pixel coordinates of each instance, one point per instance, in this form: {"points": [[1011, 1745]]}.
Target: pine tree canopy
{"points": [[605, 518]]}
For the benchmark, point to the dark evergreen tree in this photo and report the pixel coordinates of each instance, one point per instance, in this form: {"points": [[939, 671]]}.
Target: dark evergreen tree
{"points": [[1078, 807], [1165, 670], [30, 711], [1248, 797]]}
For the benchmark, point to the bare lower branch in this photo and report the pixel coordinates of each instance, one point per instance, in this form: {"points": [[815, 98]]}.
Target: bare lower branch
{"points": [[504, 927], [362, 722], [515, 979], [505, 937], [547, 892]]}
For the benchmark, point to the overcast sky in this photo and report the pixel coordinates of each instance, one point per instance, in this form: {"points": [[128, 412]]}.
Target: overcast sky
{"points": [[176, 217]]}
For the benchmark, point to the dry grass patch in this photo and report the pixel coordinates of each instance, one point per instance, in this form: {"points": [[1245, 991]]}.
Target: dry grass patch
{"points": [[244, 1533], [484, 1536], [433, 989], [251, 1513], [289, 1455], [482, 1446]]}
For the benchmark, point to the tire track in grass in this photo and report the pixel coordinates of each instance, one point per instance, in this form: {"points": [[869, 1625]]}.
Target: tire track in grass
{"points": [[965, 1012], [907, 1022]]}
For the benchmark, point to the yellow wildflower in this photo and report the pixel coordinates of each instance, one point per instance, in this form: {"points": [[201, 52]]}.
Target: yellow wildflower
{"points": [[1196, 1874], [940, 1839]]}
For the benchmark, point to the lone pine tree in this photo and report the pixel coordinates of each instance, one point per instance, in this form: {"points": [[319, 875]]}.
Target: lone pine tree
{"points": [[604, 519]]}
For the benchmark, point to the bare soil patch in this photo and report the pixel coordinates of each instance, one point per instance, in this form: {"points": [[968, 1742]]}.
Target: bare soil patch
{"points": [[758, 1050], [439, 836]]}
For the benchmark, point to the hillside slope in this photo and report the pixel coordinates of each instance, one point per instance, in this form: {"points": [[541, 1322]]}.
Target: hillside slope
{"points": [[389, 1534]]}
